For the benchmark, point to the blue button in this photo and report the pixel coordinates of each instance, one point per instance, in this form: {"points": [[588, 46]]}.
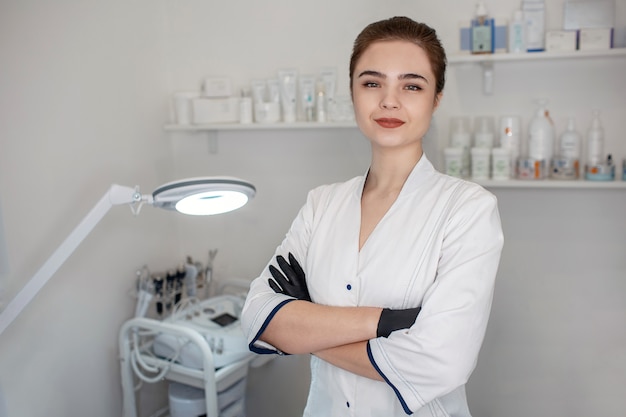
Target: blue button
{"points": [[349, 287], [347, 404]]}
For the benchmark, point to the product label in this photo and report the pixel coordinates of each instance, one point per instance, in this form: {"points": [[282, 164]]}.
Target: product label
{"points": [[481, 38]]}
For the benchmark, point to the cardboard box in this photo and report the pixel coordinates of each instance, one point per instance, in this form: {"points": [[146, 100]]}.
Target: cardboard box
{"points": [[595, 39], [561, 40], [215, 110]]}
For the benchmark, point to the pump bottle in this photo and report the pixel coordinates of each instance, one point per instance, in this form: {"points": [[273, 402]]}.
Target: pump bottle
{"points": [[541, 134], [482, 31]]}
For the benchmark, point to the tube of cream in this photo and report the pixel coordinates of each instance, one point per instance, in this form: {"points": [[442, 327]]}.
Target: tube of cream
{"points": [[288, 86], [307, 96], [328, 76]]}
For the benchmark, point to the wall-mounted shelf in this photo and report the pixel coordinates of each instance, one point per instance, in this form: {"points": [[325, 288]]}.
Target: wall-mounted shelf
{"points": [[212, 129], [531, 56], [486, 61], [259, 126], [554, 184]]}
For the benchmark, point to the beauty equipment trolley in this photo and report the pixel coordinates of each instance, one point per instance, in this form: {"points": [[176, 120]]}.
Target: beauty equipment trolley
{"points": [[200, 346]]}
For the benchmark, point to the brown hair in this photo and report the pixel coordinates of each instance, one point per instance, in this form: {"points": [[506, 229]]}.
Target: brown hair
{"points": [[405, 29]]}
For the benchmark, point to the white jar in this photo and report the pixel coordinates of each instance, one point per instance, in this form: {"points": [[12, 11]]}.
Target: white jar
{"points": [[461, 137], [480, 163], [501, 164], [453, 161], [483, 132]]}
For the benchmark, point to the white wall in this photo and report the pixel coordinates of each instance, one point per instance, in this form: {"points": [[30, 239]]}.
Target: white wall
{"points": [[82, 100], [84, 97]]}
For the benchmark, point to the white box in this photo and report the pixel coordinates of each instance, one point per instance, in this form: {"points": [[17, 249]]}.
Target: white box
{"points": [[217, 87], [215, 110], [561, 40], [594, 39]]}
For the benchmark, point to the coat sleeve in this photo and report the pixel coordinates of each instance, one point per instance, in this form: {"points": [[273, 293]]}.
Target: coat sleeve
{"points": [[262, 303], [439, 352]]}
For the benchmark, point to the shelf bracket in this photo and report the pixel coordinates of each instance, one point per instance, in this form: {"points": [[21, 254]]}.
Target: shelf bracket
{"points": [[487, 67]]}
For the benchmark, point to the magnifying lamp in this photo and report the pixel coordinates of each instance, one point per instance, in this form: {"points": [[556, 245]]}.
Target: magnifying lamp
{"points": [[195, 196]]}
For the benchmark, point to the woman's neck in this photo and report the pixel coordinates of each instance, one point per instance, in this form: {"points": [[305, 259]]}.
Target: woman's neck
{"points": [[390, 169]]}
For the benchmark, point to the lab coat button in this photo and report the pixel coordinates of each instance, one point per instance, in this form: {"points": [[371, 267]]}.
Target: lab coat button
{"points": [[347, 404], [349, 287]]}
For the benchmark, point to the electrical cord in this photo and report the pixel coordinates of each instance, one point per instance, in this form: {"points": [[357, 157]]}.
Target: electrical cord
{"points": [[137, 360]]}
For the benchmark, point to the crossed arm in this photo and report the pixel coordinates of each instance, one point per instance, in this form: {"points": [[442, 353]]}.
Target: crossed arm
{"points": [[337, 335]]}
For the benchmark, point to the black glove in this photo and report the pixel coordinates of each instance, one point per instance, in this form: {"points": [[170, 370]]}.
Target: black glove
{"points": [[392, 320], [293, 282]]}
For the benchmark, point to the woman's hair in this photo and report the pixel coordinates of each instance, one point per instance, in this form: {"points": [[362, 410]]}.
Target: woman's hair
{"points": [[404, 29]]}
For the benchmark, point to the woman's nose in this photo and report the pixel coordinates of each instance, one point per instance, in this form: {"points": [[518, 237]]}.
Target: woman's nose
{"points": [[389, 101]]}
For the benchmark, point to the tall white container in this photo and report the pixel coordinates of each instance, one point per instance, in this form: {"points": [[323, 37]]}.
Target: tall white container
{"points": [[510, 137], [535, 18], [595, 141], [541, 135], [461, 137], [483, 132], [517, 33]]}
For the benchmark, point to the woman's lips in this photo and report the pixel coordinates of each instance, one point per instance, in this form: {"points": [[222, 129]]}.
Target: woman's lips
{"points": [[389, 123]]}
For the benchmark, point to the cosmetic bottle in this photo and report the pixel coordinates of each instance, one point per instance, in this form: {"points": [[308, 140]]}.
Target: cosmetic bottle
{"points": [[570, 140], [461, 137], [595, 141], [482, 31], [320, 104], [535, 22], [565, 164], [517, 33], [484, 132], [245, 107], [541, 134]]}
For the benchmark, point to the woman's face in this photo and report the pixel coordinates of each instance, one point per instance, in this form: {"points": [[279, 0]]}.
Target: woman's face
{"points": [[393, 92]]}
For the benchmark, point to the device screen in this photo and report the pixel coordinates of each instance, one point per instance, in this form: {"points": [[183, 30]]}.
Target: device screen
{"points": [[224, 319]]}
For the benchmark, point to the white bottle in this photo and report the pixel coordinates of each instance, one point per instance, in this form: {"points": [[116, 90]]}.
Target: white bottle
{"points": [[517, 33], [500, 164], [535, 19], [570, 141], [483, 132], [461, 137], [481, 167], [541, 135], [245, 108], [595, 141]]}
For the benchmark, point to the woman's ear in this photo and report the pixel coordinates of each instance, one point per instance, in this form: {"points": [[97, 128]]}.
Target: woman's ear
{"points": [[438, 98]]}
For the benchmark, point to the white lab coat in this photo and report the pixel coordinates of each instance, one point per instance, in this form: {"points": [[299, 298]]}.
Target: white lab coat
{"points": [[437, 247]]}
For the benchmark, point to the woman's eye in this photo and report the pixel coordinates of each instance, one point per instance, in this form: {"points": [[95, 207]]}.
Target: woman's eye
{"points": [[413, 87], [370, 84]]}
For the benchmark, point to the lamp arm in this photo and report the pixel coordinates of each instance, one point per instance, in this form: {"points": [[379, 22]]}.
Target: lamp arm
{"points": [[116, 195]]}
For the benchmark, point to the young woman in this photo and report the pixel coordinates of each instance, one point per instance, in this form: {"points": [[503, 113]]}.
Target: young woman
{"points": [[386, 279]]}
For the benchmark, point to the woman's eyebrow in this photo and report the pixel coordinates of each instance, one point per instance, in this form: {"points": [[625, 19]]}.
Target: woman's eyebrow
{"points": [[411, 76], [372, 73], [408, 76]]}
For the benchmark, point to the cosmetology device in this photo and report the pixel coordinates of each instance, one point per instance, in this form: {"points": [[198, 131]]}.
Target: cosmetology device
{"points": [[200, 348]]}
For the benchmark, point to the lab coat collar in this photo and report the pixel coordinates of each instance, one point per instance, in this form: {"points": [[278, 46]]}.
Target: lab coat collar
{"points": [[422, 170]]}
